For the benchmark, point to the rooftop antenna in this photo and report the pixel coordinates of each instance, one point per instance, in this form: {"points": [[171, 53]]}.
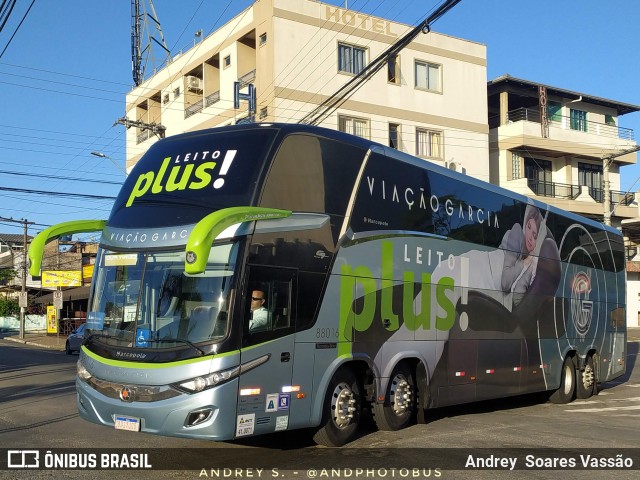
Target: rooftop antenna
{"points": [[142, 28]]}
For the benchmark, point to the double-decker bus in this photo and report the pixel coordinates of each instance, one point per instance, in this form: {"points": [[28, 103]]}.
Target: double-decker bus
{"points": [[387, 286]]}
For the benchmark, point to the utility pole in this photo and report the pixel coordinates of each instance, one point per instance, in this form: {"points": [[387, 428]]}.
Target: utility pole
{"points": [[606, 187], [155, 128], [23, 290]]}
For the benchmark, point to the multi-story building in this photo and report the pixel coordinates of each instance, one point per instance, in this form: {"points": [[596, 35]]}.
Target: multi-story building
{"points": [[566, 148], [559, 155], [430, 100], [12, 260]]}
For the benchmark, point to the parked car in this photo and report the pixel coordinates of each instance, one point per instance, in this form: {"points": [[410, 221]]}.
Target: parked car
{"points": [[75, 339]]}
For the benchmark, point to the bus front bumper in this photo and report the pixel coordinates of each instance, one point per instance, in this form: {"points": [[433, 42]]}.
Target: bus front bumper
{"points": [[209, 414]]}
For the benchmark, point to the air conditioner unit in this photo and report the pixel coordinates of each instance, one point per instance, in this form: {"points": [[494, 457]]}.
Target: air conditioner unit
{"points": [[194, 84], [456, 167]]}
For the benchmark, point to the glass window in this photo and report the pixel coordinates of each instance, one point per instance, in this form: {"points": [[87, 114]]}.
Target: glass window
{"points": [[578, 119], [394, 136], [554, 111], [427, 76], [539, 176], [428, 143], [516, 165], [590, 176], [355, 126], [393, 70], [148, 301], [271, 311], [351, 59]]}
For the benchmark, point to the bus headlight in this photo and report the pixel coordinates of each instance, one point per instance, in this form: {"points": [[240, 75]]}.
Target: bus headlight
{"points": [[199, 384], [82, 372]]}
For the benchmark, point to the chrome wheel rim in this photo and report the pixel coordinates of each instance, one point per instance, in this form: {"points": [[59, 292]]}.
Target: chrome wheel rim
{"points": [[343, 405], [401, 394]]}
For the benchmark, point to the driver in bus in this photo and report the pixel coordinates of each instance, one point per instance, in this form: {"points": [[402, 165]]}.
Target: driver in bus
{"points": [[259, 314]]}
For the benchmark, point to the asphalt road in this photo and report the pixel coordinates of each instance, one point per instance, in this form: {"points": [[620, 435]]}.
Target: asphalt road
{"points": [[37, 411]]}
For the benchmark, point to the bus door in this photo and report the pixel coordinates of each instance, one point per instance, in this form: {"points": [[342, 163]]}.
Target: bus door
{"points": [[265, 390], [618, 336]]}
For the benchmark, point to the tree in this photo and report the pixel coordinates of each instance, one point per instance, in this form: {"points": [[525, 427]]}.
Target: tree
{"points": [[6, 275], [8, 307]]}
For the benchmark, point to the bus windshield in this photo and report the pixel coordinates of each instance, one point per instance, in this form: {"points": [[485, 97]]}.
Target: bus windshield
{"points": [[146, 300]]}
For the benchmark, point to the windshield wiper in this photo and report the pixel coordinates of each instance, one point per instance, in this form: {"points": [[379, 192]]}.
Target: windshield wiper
{"points": [[175, 340]]}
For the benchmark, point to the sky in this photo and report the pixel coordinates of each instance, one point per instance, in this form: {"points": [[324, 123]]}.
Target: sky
{"points": [[65, 68]]}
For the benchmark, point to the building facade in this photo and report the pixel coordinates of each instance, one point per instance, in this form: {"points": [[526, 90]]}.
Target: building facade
{"points": [[430, 100], [566, 148]]}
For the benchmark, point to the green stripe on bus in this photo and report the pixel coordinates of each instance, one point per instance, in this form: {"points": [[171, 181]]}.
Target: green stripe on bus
{"points": [[141, 365]]}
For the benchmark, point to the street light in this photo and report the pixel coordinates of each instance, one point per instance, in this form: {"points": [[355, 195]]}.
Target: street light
{"points": [[102, 155]]}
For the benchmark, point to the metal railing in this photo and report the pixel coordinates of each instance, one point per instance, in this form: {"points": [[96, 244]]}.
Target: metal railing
{"points": [[193, 108], [571, 192], [553, 189], [594, 128], [247, 78], [622, 198], [144, 135], [212, 98]]}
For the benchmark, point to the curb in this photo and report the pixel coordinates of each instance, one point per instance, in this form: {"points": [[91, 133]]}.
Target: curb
{"points": [[34, 344]]}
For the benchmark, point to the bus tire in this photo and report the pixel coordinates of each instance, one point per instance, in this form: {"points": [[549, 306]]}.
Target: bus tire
{"points": [[399, 406], [341, 410], [586, 384], [567, 389]]}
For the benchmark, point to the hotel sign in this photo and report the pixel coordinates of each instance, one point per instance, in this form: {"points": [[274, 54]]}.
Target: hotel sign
{"points": [[358, 20]]}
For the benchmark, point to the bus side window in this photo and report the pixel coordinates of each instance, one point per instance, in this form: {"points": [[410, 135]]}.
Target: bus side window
{"points": [[276, 287]]}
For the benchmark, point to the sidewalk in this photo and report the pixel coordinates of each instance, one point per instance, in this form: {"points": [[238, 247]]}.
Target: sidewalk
{"points": [[37, 339], [55, 342]]}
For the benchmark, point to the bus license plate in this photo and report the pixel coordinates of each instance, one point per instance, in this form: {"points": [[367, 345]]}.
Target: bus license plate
{"points": [[127, 423]]}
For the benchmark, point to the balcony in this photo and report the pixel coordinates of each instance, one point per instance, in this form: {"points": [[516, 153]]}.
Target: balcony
{"points": [[565, 136], [247, 78], [572, 192], [602, 129], [193, 109], [212, 98], [144, 135]]}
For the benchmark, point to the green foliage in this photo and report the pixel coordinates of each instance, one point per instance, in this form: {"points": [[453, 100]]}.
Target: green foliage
{"points": [[6, 275], [8, 307]]}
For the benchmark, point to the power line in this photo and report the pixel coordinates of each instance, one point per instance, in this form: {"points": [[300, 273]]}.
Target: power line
{"points": [[58, 194], [17, 28], [58, 177]]}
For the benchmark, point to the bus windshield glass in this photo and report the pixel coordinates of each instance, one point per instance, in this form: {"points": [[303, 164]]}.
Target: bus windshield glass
{"points": [[146, 300]]}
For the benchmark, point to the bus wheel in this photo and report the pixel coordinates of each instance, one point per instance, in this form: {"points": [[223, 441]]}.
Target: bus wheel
{"points": [[567, 388], [399, 405], [586, 381], [341, 410]]}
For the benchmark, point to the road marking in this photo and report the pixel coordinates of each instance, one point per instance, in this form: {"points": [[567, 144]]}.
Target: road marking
{"points": [[607, 409]]}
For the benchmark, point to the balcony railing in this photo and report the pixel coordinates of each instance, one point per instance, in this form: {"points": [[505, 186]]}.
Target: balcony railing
{"points": [[144, 135], [594, 128], [212, 98], [193, 109], [553, 189], [571, 192], [247, 78]]}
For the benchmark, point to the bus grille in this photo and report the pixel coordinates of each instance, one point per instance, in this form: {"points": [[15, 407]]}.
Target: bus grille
{"points": [[136, 393]]}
